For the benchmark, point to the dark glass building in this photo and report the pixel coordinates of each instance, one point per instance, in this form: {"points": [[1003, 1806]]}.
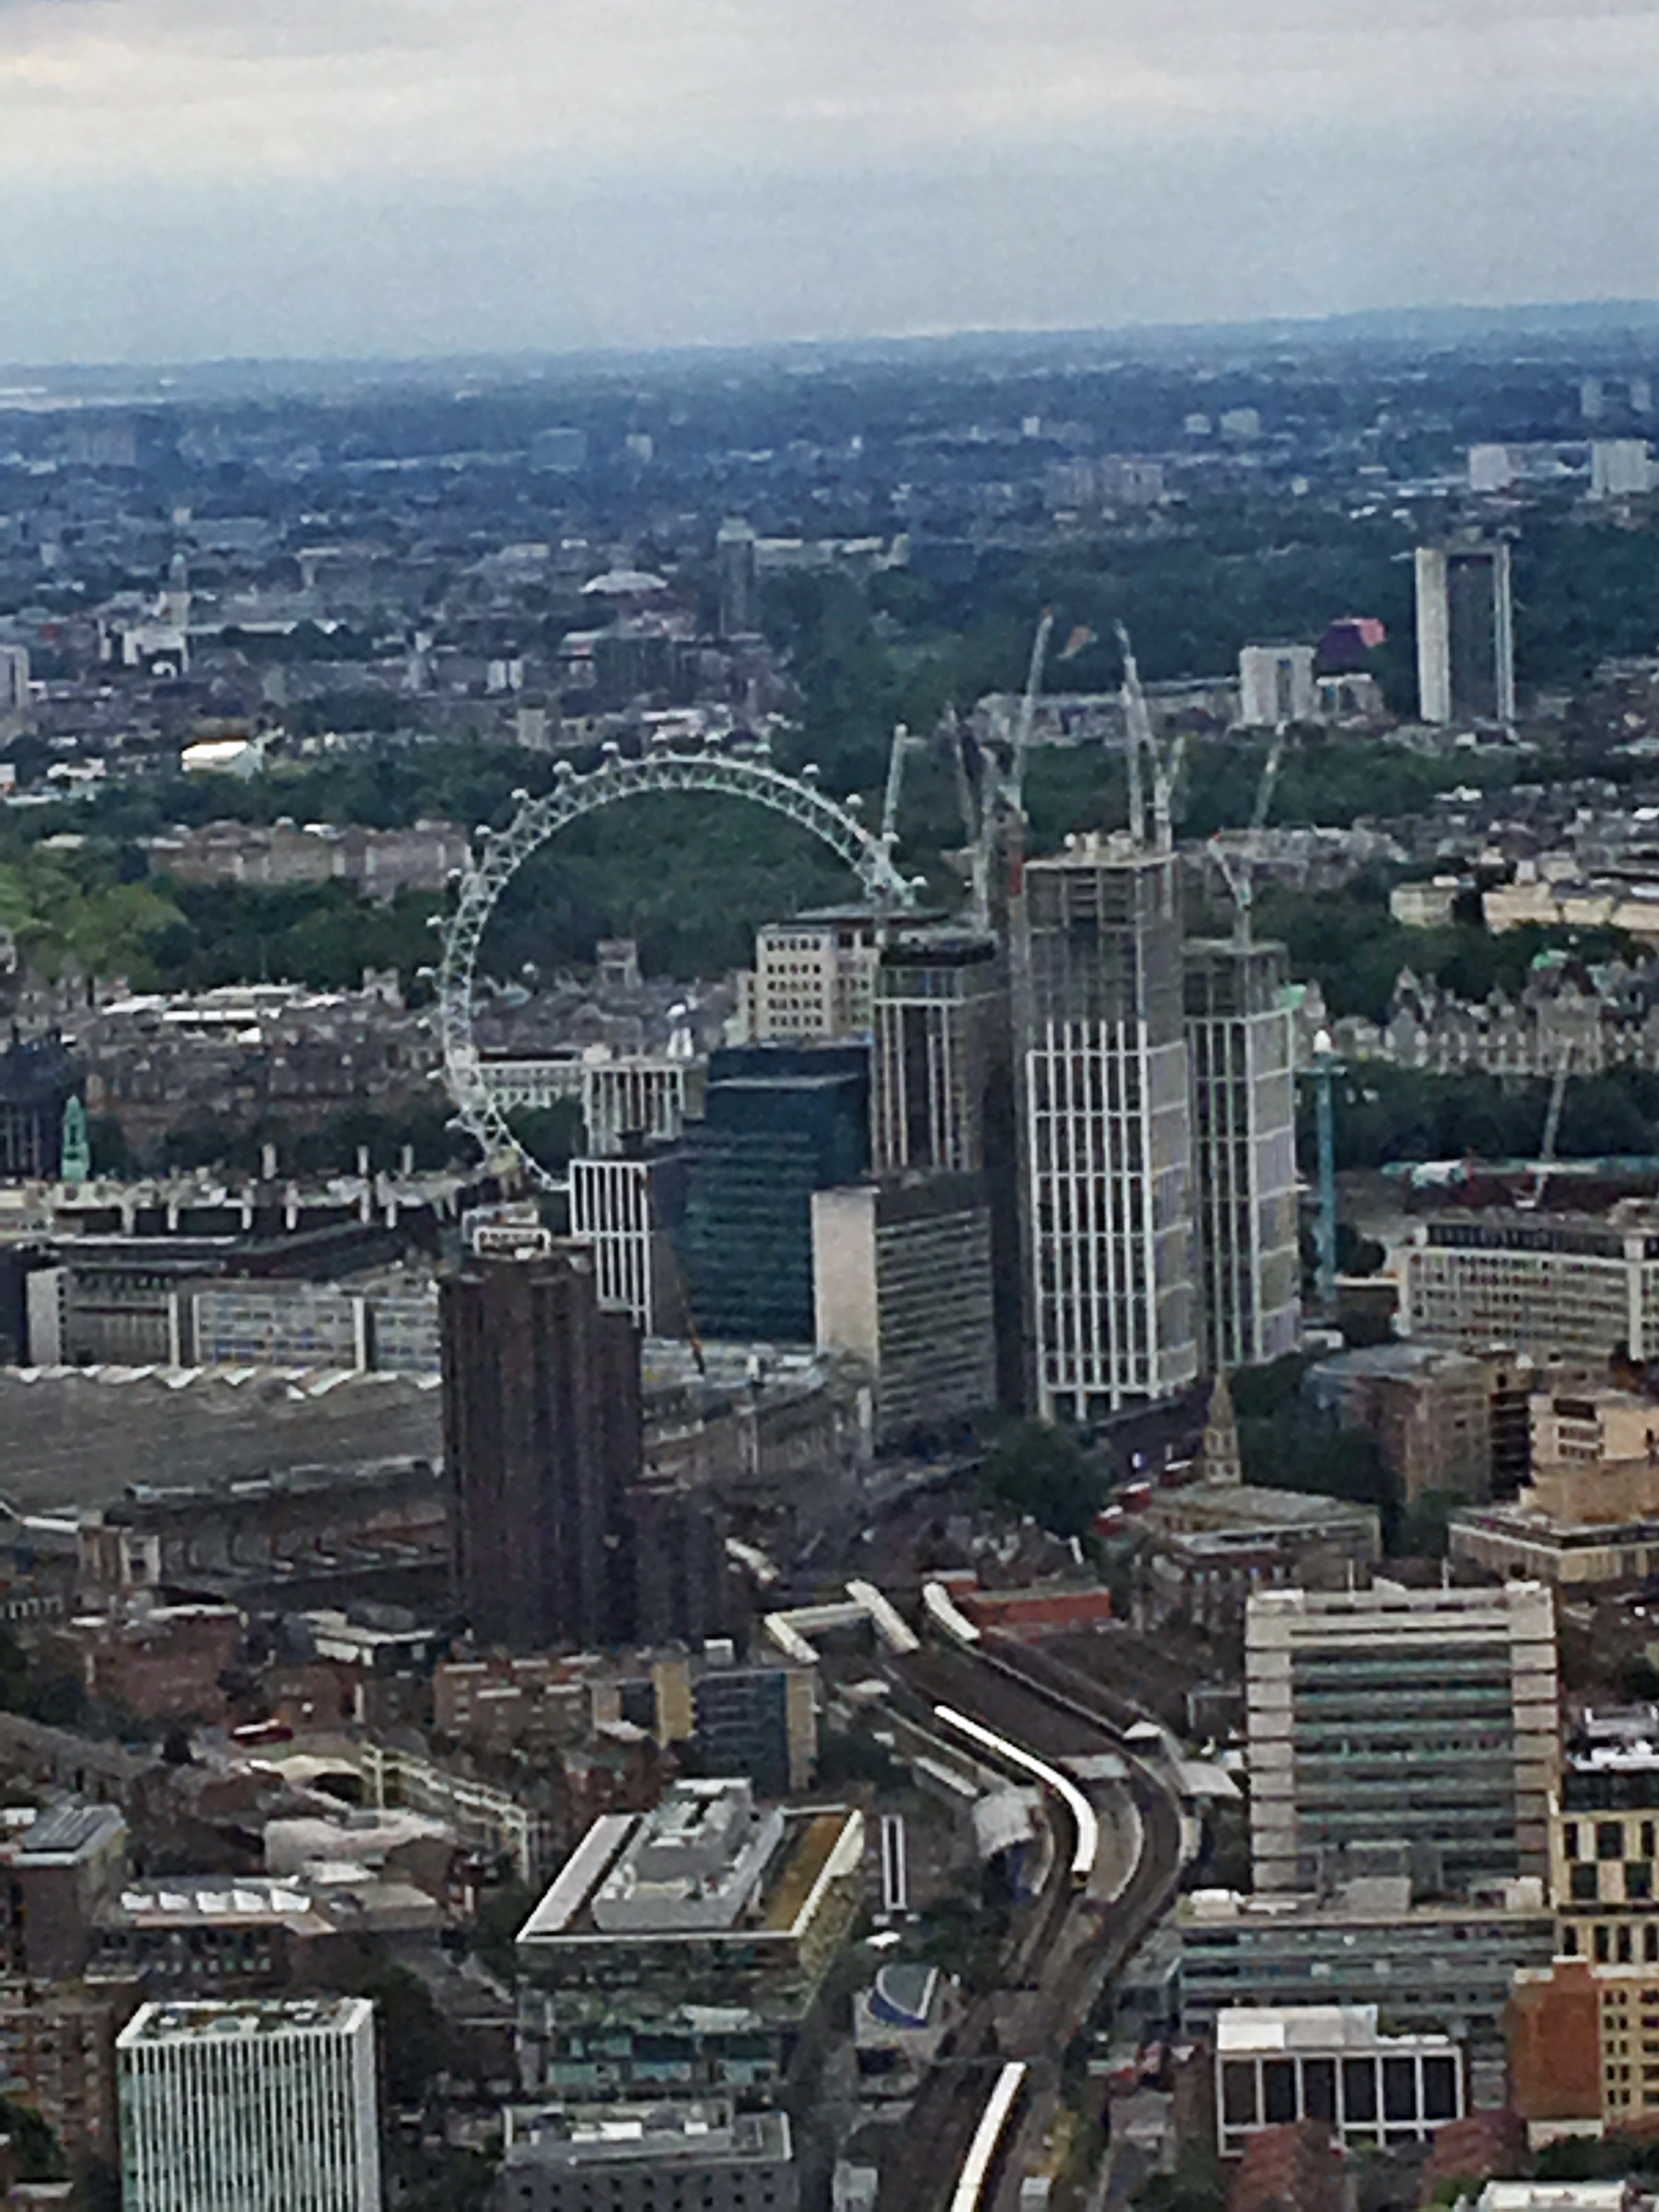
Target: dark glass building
{"points": [[781, 1121]]}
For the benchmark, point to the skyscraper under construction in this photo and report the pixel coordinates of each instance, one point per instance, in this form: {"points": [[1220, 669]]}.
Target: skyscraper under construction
{"points": [[1106, 1129]]}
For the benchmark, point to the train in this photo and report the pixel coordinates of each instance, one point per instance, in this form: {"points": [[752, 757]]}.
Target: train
{"points": [[1085, 1819], [970, 2191]]}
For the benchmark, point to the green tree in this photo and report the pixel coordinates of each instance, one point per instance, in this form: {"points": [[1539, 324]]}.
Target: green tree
{"points": [[414, 2039], [1042, 1470]]}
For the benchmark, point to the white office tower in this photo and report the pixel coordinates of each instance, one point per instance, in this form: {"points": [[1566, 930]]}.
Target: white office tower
{"points": [[1106, 1129], [1620, 468], [1276, 686], [1465, 632], [1240, 1044], [1401, 1732], [249, 2107]]}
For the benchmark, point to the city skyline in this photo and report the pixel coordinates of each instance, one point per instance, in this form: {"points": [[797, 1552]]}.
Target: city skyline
{"points": [[377, 177]]}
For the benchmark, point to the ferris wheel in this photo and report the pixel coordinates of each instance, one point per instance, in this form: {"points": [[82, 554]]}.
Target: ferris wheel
{"points": [[502, 853]]}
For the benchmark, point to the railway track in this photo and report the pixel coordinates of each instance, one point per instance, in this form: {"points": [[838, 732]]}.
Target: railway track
{"points": [[1076, 1940]]}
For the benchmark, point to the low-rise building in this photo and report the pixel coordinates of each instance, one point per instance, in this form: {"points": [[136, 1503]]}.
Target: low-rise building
{"points": [[1429, 1410], [57, 1874], [163, 1663], [58, 2057], [214, 1936], [1207, 1545], [1583, 2047], [687, 1947], [1433, 1967], [1552, 1286], [1275, 2065], [1578, 1524], [639, 2157]]}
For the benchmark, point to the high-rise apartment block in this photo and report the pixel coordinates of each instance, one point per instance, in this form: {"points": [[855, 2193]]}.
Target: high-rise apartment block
{"points": [[14, 682], [542, 1434], [1104, 1097], [1401, 1731], [737, 564], [244, 2107], [1241, 1048], [1465, 632]]}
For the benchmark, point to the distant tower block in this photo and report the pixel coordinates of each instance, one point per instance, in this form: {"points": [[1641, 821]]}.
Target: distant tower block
{"points": [[737, 564], [1276, 686], [1465, 633]]}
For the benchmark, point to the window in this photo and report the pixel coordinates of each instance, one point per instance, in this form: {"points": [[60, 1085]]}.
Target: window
{"points": [[1581, 1886], [1319, 2088], [1359, 2088], [1609, 1840]]}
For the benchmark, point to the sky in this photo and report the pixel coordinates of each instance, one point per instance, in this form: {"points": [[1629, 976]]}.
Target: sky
{"points": [[196, 178]]}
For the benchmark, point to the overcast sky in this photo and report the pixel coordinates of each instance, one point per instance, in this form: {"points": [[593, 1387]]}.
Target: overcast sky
{"points": [[189, 178]]}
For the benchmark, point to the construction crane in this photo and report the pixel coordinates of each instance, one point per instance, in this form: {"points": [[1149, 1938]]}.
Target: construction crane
{"points": [[970, 803], [1045, 630], [1236, 856], [997, 814], [903, 745], [1164, 765]]}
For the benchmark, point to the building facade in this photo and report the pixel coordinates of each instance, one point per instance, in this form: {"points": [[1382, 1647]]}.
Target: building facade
{"points": [[637, 2157], [813, 979], [1553, 1286], [1277, 2065], [626, 1210], [781, 1122], [1106, 1130], [242, 2107], [1420, 1727], [1241, 1048], [902, 1279], [1442, 1968]]}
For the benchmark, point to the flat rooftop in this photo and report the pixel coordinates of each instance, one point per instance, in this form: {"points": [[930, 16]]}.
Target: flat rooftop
{"points": [[216, 2021], [807, 1851], [659, 2134], [1252, 2031]]}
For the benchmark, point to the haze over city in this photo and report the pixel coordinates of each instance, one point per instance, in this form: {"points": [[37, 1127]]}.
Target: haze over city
{"points": [[379, 177]]}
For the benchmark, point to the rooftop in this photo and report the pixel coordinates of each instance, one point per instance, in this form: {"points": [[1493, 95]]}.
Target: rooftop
{"points": [[213, 2020], [621, 2135], [1244, 2031], [69, 1833]]}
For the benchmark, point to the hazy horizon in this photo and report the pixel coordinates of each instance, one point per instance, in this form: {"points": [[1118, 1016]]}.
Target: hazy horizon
{"points": [[407, 178]]}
